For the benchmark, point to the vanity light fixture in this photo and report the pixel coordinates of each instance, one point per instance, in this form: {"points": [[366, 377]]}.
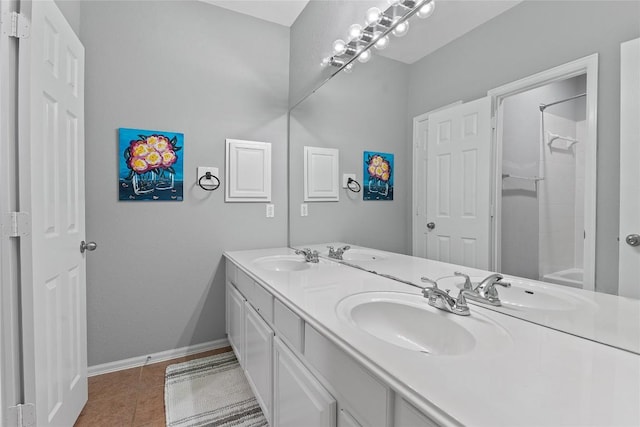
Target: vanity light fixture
{"points": [[375, 32]]}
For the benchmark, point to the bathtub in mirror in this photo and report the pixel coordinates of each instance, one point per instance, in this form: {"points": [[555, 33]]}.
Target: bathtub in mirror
{"points": [[548, 230]]}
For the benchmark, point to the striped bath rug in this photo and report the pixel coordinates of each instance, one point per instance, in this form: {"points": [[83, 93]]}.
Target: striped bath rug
{"points": [[211, 391]]}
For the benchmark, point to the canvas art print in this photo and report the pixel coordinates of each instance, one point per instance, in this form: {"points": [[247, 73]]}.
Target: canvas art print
{"points": [[378, 176], [151, 165]]}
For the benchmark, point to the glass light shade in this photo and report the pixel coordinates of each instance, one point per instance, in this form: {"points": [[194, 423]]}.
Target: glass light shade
{"points": [[401, 29], [365, 56], [426, 10], [339, 46], [382, 43], [373, 16], [348, 68], [355, 32], [325, 62]]}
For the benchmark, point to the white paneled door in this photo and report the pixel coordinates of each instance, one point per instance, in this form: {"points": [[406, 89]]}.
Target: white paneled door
{"points": [[458, 208], [629, 278], [51, 158]]}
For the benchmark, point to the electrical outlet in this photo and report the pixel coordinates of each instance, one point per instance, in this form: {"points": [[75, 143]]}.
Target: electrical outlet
{"points": [[345, 178], [304, 209], [270, 211]]}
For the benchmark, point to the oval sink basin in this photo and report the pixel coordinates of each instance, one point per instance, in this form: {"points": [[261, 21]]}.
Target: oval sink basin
{"points": [[522, 295], [407, 321], [282, 263], [363, 255]]}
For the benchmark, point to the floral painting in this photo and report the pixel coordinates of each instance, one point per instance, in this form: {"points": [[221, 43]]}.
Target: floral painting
{"points": [[151, 165], [378, 176]]}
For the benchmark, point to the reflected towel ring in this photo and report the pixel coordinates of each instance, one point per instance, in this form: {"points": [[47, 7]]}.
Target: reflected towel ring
{"points": [[353, 185], [209, 177]]}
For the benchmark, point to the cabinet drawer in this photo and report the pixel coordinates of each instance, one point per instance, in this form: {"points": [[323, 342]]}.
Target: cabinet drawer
{"points": [[364, 394], [245, 284], [263, 302], [288, 325]]}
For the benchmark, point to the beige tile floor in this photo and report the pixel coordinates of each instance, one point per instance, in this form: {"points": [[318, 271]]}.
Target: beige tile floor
{"points": [[132, 397]]}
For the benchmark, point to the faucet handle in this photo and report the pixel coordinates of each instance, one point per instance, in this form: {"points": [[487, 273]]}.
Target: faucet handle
{"points": [[461, 301], [433, 283], [345, 248], [501, 283], [467, 280]]}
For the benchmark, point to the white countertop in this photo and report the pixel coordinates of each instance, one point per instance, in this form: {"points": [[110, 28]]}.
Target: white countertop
{"points": [[539, 377], [607, 318]]}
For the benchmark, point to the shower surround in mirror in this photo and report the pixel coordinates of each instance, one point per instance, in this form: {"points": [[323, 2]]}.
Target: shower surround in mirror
{"points": [[542, 235]]}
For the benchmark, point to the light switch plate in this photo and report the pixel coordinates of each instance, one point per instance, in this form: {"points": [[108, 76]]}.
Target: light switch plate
{"points": [[270, 210], [345, 178], [304, 209]]}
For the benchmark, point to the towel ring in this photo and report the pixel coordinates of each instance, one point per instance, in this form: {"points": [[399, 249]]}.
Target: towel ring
{"points": [[209, 177], [353, 185]]}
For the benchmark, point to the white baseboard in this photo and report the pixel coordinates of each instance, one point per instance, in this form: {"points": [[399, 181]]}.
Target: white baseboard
{"points": [[161, 356]]}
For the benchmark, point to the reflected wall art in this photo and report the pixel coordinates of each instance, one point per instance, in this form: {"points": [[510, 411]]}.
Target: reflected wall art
{"points": [[378, 176]]}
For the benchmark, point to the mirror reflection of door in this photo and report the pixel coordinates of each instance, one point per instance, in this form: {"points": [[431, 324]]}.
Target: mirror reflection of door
{"points": [[540, 222], [458, 184], [629, 283]]}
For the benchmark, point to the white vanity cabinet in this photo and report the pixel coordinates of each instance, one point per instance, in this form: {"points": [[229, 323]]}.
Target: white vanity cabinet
{"points": [[235, 321], [258, 357], [299, 399], [298, 375]]}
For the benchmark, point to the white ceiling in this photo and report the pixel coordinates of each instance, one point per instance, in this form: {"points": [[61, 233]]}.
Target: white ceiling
{"points": [[283, 12], [451, 19]]}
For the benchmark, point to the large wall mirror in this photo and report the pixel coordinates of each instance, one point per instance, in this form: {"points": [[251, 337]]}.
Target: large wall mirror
{"points": [[549, 209]]}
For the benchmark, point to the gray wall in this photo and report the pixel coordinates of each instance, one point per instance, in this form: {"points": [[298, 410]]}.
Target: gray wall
{"points": [[71, 11], [156, 281], [529, 38], [360, 111]]}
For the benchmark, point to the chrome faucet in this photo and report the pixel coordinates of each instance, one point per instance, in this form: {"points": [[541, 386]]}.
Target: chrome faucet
{"points": [[485, 292], [337, 253], [442, 300], [467, 281], [309, 256]]}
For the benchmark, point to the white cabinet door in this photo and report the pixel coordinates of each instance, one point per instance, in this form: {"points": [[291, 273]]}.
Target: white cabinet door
{"points": [[51, 164], [458, 184], [629, 279], [235, 313], [258, 358], [298, 398]]}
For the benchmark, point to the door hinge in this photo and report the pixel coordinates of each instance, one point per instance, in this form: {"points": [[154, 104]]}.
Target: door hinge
{"points": [[15, 25], [18, 224], [494, 122], [23, 415]]}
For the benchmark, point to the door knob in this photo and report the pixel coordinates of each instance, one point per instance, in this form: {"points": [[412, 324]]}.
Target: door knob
{"points": [[633, 240], [431, 225], [91, 246]]}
